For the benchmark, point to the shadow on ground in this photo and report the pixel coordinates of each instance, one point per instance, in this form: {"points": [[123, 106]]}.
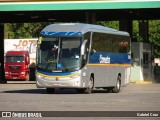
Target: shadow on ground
{"points": [[43, 91]]}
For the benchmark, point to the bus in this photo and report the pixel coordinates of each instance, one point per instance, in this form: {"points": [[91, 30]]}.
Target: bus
{"points": [[83, 57]]}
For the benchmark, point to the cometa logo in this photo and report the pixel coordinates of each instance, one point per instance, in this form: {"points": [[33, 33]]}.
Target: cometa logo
{"points": [[104, 59]]}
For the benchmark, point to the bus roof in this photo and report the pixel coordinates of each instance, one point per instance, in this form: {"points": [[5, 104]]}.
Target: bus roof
{"points": [[81, 28]]}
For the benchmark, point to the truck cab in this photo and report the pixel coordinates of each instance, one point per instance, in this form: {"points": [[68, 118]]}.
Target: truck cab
{"points": [[17, 65]]}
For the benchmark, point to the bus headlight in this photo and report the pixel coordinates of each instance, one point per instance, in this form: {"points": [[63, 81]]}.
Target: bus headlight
{"points": [[39, 76]]}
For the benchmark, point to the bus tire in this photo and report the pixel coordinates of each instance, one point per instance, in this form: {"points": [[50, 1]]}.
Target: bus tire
{"points": [[116, 89], [50, 90], [88, 90]]}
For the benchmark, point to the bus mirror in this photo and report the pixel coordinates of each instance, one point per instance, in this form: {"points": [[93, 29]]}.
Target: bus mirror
{"points": [[83, 47]]}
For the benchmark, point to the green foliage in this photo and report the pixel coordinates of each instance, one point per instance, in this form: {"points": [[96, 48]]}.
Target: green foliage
{"points": [[136, 36], [23, 30], [154, 36], [111, 24]]}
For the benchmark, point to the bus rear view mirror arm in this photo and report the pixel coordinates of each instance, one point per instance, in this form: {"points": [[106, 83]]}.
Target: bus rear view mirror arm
{"points": [[83, 47], [31, 46]]}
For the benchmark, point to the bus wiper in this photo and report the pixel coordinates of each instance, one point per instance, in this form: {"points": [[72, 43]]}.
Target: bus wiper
{"points": [[40, 68], [75, 68], [48, 64]]}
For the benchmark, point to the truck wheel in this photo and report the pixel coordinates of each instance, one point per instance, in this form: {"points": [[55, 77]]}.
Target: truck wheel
{"points": [[88, 90], [50, 90], [116, 89]]}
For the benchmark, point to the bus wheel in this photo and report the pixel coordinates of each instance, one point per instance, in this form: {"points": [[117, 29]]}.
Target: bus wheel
{"points": [[90, 87], [116, 89], [50, 90]]}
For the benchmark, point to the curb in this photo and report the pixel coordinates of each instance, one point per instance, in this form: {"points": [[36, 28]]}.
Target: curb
{"points": [[143, 82]]}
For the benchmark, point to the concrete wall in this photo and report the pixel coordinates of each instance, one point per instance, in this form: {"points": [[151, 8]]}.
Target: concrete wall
{"points": [[142, 69]]}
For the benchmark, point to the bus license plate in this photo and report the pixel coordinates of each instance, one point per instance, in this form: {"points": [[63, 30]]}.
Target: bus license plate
{"points": [[56, 84]]}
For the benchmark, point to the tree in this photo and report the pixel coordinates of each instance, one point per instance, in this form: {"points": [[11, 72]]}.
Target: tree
{"points": [[23, 30], [111, 24], [154, 36], [136, 35]]}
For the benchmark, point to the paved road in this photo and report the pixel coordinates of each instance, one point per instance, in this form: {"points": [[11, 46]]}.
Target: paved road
{"points": [[26, 97]]}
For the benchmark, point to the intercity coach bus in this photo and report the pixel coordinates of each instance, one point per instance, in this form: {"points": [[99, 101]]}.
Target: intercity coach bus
{"points": [[83, 57]]}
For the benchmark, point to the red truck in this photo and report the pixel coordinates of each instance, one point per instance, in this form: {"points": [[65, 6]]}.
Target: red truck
{"points": [[17, 65]]}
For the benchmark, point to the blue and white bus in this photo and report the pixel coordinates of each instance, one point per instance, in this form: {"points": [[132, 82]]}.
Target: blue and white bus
{"points": [[83, 57]]}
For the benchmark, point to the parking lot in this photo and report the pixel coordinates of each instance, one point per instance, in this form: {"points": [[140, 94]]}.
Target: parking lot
{"points": [[22, 96]]}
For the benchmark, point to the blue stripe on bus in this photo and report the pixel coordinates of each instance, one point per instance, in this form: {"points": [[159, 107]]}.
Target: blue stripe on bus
{"points": [[46, 33], [115, 58], [56, 73]]}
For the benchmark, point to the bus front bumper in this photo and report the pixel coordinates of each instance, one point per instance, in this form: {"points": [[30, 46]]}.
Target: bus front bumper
{"points": [[68, 82]]}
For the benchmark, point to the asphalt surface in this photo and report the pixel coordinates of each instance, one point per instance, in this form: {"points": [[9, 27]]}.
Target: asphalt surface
{"points": [[24, 96]]}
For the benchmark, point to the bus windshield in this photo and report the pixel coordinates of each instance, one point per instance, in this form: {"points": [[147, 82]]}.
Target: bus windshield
{"points": [[69, 58], [59, 54]]}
